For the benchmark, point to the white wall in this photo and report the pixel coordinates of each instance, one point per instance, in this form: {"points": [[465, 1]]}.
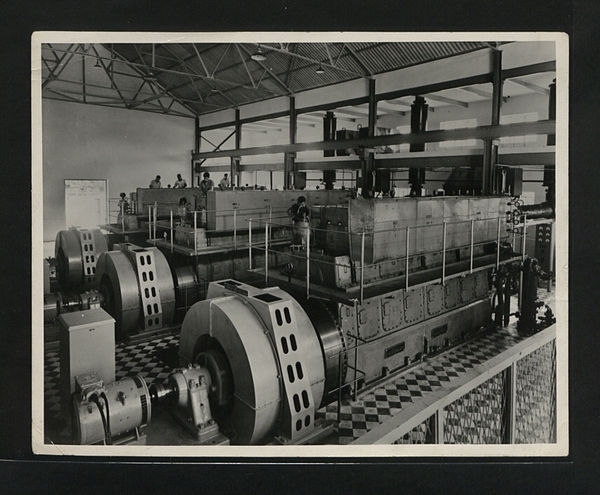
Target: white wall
{"points": [[126, 147]]}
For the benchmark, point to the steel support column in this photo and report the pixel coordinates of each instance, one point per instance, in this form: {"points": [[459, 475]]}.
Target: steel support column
{"points": [[418, 124], [293, 120], [368, 157], [549, 172], [197, 137], [289, 175], [329, 129], [235, 169], [288, 170], [490, 150]]}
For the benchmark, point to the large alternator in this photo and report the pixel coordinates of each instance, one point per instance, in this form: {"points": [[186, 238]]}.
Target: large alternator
{"points": [[282, 368], [137, 288], [77, 252]]}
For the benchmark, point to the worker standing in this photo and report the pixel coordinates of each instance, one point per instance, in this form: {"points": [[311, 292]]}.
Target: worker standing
{"points": [[300, 215], [123, 207], [155, 184], [180, 183], [206, 184], [224, 184], [183, 211]]}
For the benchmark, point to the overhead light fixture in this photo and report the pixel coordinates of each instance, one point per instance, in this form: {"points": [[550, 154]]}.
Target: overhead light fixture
{"points": [[97, 64], [320, 70], [150, 76], [258, 56]]}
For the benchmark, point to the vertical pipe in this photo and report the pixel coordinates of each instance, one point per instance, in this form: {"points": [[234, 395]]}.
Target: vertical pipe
{"points": [[171, 230], [155, 216], [149, 222], [524, 236], [122, 218], [514, 239], [195, 236], [235, 229], [267, 252], [308, 263], [472, 247], [444, 253], [523, 241], [498, 246], [362, 265], [250, 244], [406, 258]]}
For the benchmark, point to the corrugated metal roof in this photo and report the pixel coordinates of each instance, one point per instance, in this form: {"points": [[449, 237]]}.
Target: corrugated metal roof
{"points": [[207, 77]]}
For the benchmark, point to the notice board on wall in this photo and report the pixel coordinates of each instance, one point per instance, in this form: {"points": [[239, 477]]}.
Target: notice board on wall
{"points": [[86, 202]]}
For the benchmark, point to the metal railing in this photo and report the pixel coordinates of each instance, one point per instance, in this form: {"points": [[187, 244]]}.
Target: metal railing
{"points": [[405, 260], [519, 386], [198, 223]]}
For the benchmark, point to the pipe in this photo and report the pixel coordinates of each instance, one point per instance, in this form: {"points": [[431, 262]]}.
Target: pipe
{"points": [[541, 210]]}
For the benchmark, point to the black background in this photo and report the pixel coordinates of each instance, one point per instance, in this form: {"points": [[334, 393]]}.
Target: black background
{"points": [[22, 472]]}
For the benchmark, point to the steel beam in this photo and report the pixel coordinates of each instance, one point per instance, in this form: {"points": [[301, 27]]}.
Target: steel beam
{"points": [[114, 106], [533, 87], [450, 101], [353, 113], [139, 71], [60, 65], [490, 131], [525, 70], [110, 76], [391, 95], [308, 59], [269, 71], [357, 59], [477, 91]]}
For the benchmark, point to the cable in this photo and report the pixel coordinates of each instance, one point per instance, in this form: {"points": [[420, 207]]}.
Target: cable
{"points": [[109, 435], [94, 399]]}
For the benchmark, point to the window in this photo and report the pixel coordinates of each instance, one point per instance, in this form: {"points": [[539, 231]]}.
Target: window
{"points": [[459, 124], [402, 129], [516, 141]]}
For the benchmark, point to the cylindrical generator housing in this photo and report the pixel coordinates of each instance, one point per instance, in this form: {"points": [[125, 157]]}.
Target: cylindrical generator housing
{"points": [[137, 287], [275, 356], [77, 252]]}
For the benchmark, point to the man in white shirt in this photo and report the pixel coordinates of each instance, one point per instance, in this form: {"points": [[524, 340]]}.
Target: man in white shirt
{"points": [[155, 184], [179, 183], [224, 184]]}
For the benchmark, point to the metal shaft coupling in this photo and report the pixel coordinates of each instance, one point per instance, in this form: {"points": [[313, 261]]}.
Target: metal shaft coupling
{"points": [[186, 391]]}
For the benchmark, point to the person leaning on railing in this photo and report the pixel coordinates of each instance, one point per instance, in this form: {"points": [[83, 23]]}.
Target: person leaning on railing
{"points": [[300, 215]]}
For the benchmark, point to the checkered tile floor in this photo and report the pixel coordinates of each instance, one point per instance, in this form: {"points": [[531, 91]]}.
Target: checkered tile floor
{"points": [[153, 360], [360, 416]]}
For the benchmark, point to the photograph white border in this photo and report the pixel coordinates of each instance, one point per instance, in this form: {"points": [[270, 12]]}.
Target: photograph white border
{"points": [[560, 448]]}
